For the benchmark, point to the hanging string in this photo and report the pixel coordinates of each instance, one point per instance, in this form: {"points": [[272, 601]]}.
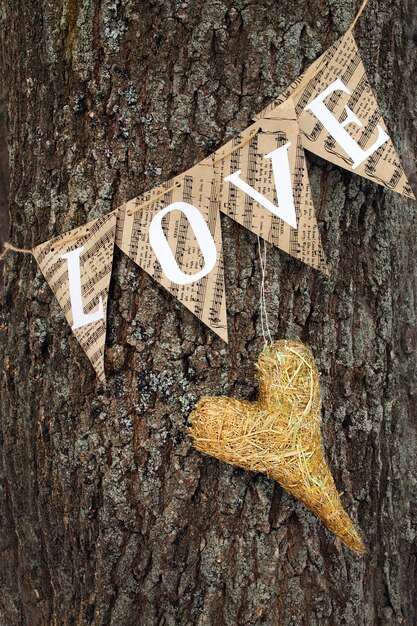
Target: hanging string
{"points": [[264, 292], [358, 14], [262, 300], [311, 71], [8, 247]]}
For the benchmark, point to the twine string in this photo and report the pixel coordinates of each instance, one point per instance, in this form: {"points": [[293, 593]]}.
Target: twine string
{"points": [[8, 247], [358, 14], [261, 292], [308, 71], [70, 238], [239, 145], [264, 292], [262, 300], [143, 205], [262, 258]]}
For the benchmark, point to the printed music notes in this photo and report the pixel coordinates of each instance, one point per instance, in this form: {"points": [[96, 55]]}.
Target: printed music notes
{"points": [[77, 266], [354, 109], [182, 251], [259, 179], [251, 156]]}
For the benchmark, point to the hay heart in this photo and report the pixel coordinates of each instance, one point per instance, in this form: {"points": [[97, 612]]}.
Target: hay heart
{"points": [[279, 434]]}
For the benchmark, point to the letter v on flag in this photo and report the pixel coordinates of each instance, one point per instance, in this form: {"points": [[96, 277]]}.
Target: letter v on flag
{"points": [[264, 185], [285, 208], [77, 267]]}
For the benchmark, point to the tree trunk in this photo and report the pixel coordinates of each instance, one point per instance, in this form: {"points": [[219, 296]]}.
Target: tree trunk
{"points": [[109, 516]]}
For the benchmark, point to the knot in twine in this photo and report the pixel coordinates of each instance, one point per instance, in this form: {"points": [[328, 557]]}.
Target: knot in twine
{"points": [[279, 434]]}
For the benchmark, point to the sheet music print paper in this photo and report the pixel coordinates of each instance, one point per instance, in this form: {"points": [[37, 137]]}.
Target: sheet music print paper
{"points": [[204, 297], [269, 134], [343, 61], [97, 239]]}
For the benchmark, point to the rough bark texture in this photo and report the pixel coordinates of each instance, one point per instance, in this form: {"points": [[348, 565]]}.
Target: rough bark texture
{"points": [[108, 514], [4, 180]]}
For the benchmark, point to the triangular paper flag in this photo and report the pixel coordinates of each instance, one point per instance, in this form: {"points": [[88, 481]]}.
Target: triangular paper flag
{"points": [[269, 157], [340, 119], [77, 266], [173, 232]]}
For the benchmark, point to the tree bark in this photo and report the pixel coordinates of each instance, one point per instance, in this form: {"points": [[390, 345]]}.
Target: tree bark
{"points": [[108, 514], [4, 181]]}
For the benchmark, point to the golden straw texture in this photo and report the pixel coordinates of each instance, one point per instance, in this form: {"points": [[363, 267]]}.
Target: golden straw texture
{"points": [[279, 434]]}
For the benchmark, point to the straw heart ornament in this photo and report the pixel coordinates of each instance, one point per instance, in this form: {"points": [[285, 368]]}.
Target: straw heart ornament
{"points": [[279, 434]]}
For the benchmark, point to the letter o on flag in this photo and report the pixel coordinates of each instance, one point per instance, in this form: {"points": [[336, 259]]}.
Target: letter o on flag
{"points": [[163, 250]]}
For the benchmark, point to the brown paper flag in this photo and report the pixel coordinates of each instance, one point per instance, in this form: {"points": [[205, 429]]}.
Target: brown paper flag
{"points": [[340, 119], [77, 266], [173, 233], [271, 195]]}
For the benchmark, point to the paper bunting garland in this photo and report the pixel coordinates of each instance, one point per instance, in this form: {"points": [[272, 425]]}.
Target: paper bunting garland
{"points": [[340, 119], [77, 266], [258, 179]]}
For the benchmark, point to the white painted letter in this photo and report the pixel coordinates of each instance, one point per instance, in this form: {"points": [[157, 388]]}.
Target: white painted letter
{"points": [[164, 253], [74, 277], [337, 129], [282, 173]]}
